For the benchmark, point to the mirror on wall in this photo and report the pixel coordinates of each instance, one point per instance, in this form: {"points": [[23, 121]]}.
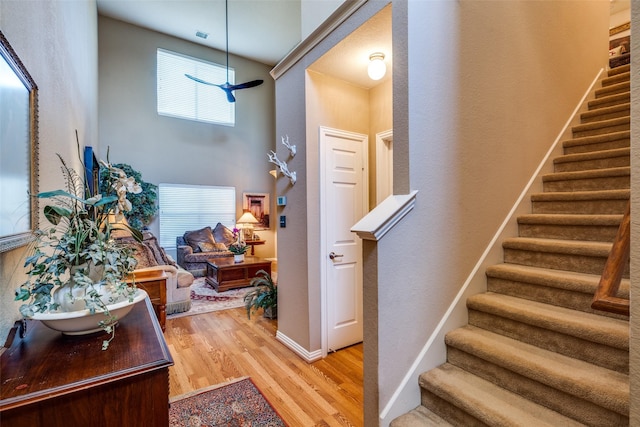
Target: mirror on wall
{"points": [[18, 150]]}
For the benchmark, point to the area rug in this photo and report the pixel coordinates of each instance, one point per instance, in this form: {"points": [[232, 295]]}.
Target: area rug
{"points": [[205, 299], [237, 403]]}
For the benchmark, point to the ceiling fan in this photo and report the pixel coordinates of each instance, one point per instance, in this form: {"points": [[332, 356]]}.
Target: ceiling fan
{"points": [[227, 87]]}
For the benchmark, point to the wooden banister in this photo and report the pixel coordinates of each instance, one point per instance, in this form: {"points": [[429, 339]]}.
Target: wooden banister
{"points": [[604, 298]]}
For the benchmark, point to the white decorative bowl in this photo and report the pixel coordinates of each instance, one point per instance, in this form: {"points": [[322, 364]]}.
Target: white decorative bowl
{"points": [[82, 322]]}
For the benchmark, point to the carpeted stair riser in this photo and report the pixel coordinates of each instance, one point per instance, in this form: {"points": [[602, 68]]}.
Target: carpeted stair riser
{"points": [[604, 159], [418, 417], [565, 404], [602, 127], [560, 288], [606, 113], [613, 89], [610, 100], [608, 202], [598, 228], [543, 376], [557, 329], [471, 401], [620, 77], [612, 178], [578, 256], [619, 70], [588, 144]]}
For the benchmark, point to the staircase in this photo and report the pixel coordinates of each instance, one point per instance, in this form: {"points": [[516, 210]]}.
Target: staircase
{"points": [[534, 353]]}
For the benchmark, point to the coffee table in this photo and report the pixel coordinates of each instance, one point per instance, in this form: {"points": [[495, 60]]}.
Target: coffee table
{"points": [[224, 274]]}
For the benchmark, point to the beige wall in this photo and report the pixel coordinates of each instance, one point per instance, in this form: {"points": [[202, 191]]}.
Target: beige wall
{"points": [[171, 150], [57, 42], [490, 86]]}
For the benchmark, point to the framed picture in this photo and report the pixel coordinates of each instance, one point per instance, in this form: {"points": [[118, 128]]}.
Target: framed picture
{"points": [[258, 205]]}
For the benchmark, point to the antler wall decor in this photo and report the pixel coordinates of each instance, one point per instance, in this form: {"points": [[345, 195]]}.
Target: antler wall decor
{"points": [[273, 158], [292, 148]]}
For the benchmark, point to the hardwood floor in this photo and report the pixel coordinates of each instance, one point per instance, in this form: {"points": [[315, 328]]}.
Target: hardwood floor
{"points": [[216, 347]]}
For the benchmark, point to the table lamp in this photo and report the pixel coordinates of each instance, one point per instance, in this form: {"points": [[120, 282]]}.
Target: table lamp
{"points": [[246, 221]]}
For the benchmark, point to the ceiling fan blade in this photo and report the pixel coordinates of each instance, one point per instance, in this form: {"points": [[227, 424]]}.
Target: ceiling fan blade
{"points": [[230, 96], [247, 85], [201, 81]]}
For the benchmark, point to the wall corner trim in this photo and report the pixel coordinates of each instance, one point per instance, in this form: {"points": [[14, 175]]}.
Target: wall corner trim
{"points": [[306, 355], [344, 11], [383, 217]]}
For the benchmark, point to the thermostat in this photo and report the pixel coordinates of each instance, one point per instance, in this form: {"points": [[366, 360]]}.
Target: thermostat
{"points": [[281, 201]]}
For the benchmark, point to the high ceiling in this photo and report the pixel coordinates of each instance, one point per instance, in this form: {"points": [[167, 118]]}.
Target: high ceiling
{"points": [[261, 30]]}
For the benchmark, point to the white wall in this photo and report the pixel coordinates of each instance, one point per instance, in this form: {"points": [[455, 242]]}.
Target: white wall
{"points": [[57, 42], [171, 150]]}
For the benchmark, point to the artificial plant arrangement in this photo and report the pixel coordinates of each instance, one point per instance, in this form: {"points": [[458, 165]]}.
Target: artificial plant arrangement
{"points": [[239, 247], [264, 295], [143, 204], [75, 264]]}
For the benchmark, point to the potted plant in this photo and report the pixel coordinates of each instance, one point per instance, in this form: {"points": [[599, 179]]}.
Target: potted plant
{"points": [[239, 247], [264, 295], [76, 267], [143, 204]]}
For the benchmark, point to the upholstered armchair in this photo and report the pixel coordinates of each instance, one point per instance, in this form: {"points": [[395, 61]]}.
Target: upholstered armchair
{"points": [[152, 257], [196, 247]]}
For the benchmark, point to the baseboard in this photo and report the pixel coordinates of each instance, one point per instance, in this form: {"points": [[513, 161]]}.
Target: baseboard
{"points": [[306, 355]]}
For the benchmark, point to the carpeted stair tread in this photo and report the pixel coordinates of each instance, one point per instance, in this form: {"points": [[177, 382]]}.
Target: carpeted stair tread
{"points": [[604, 113], [583, 195], [487, 402], [616, 78], [560, 279], [619, 70], [600, 127], [595, 384], [623, 171], [613, 89], [585, 143], [419, 417], [595, 249], [571, 219], [587, 326], [609, 100], [593, 160], [601, 202]]}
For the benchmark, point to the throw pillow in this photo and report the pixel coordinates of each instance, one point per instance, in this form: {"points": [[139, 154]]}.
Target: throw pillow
{"points": [[143, 254], [223, 235], [211, 247], [204, 235]]}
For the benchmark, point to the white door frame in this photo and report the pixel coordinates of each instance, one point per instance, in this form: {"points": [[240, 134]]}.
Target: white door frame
{"points": [[323, 218], [384, 165]]}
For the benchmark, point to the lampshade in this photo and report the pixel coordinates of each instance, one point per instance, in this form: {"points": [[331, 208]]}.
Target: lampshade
{"points": [[247, 218], [377, 68]]}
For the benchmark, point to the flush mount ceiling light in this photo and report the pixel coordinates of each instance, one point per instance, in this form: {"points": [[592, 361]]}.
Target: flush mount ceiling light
{"points": [[377, 67]]}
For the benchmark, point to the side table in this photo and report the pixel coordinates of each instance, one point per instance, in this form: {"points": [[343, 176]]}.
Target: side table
{"points": [[253, 244], [155, 284]]}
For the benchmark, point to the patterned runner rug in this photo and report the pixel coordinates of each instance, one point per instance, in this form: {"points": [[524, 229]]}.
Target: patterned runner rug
{"points": [[238, 403], [205, 299]]}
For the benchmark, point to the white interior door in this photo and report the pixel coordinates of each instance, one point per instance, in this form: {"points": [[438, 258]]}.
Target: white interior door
{"points": [[344, 202]]}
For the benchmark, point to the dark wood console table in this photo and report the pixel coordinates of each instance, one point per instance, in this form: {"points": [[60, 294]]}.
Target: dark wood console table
{"points": [[49, 379]]}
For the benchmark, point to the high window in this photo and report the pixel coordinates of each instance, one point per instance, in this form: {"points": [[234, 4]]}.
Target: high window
{"points": [[179, 96], [191, 207]]}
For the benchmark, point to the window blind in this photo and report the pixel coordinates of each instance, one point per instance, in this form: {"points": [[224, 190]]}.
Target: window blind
{"points": [[179, 96], [191, 207]]}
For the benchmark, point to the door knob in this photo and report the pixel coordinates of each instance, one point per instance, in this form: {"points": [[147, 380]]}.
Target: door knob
{"points": [[333, 255]]}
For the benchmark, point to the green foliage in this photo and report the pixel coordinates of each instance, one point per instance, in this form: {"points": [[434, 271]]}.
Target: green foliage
{"points": [[143, 205], [264, 295]]}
